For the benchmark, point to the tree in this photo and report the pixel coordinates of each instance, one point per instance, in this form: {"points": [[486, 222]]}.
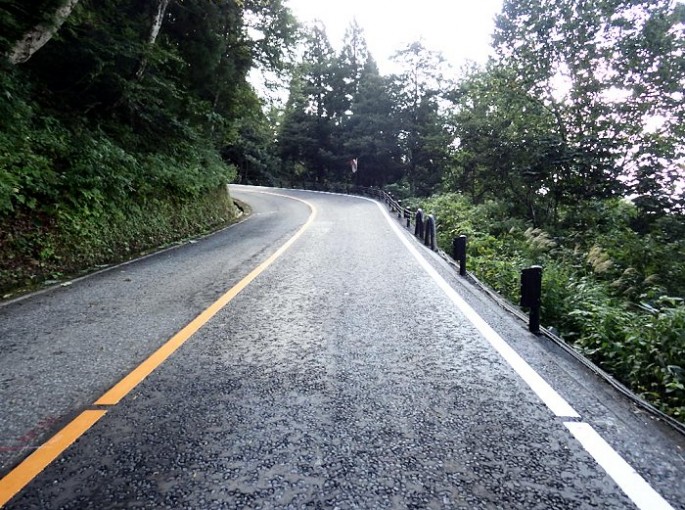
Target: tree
{"points": [[423, 136], [155, 28], [371, 132], [156, 86], [249, 145], [271, 31], [605, 70], [506, 146], [347, 72], [306, 136]]}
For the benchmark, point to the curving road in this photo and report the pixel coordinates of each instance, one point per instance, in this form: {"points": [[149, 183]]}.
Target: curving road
{"points": [[352, 370]]}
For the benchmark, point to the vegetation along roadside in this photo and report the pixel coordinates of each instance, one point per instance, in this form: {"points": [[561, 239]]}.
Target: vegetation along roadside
{"points": [[611, 293], [121, 123]]}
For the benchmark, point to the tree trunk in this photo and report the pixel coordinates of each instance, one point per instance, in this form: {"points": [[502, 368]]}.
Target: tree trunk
{"points": [[158, 21], [38, 36], [154, 33]]}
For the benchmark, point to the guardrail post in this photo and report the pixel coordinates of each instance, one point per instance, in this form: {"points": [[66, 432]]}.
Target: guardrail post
{"points": [[407, 215], [459, 253], [418, 230], [399, 208], [434, 233], [430, 232], [531, 295]]}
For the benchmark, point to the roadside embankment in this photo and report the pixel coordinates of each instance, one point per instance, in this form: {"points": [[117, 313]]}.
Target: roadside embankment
{"points": [[39, 249]]}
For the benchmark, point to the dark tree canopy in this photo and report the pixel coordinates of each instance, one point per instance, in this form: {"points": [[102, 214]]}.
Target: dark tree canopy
{"points": [[155, 81]]}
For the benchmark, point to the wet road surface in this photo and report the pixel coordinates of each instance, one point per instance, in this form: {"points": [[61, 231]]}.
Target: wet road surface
{"points": [[342, 376]]}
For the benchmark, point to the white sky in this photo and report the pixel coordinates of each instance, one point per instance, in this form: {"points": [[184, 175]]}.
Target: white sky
{"points": [[460, 29]]}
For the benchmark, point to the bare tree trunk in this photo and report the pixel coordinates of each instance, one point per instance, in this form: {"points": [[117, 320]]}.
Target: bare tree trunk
{"points": [[158, 21], [38, 36], [154, 33]]}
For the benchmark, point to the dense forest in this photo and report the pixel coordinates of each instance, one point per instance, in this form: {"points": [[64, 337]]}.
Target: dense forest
{"points": [[121, 123]]}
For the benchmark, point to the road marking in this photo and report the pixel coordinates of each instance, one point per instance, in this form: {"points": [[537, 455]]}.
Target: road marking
{"points": [[547, 394], [123, 387], [21, 475], [635, 487]]}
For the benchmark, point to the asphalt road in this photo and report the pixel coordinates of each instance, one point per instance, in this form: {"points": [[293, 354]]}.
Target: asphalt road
{"points": [[354, 371]]}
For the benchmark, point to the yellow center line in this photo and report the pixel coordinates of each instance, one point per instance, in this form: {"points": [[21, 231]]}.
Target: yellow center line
{"points": [[27, 470], [123, 387], [21, 475]]}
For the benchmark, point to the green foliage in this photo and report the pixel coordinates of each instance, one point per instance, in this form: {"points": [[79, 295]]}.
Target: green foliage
{"points": [[340, 108], [399, 190], [28, 145], [643, 350], [596, 272], [34, 248], [307, 135], [423, 136], [16, 18], [599, 76], [370, 134], [507, 146], [555, 131], [115, 137]]}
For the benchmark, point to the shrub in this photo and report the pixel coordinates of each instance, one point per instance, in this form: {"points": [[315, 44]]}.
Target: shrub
{"points": [[591, 281]]}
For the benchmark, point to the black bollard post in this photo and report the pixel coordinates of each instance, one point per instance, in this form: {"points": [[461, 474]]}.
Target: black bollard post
{"points": [[459, 253], [399, 209], [433, 243], [531, 295], [418, 230], [429, 239]]}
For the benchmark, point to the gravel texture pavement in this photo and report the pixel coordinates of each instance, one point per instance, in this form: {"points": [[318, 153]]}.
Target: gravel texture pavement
{"points": [[342, 377]]}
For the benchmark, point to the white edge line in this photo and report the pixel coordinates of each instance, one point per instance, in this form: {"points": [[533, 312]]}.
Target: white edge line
{"points": [[629, 481], [118, 265], [542, 389], [634, 486]]}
